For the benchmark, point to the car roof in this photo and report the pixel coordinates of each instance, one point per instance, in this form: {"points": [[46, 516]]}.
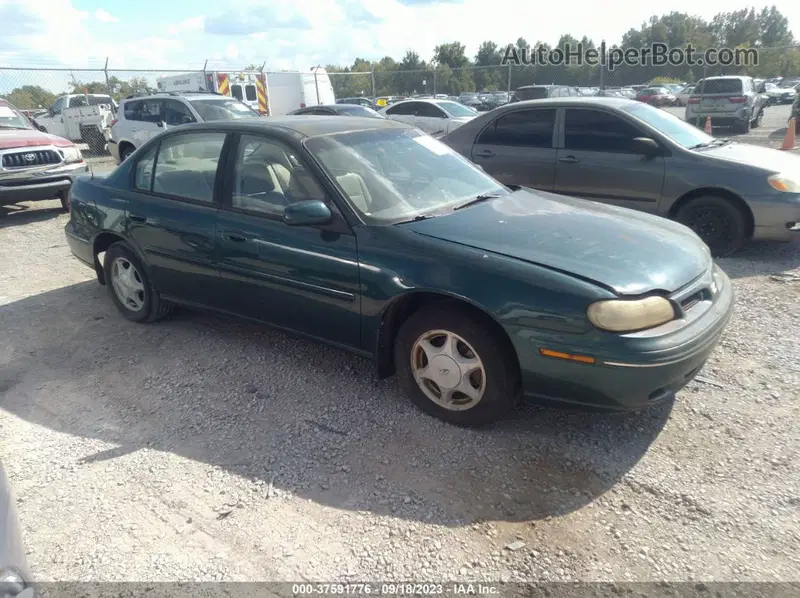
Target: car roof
{"points": [[300, 125], [178, 94], [427, 100], [571, 101]]}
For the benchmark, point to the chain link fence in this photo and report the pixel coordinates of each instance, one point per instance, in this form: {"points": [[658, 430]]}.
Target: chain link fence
{"points": [[36, 89]]}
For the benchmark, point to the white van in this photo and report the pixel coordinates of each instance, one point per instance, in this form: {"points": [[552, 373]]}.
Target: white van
{"points": [[292, 90]]}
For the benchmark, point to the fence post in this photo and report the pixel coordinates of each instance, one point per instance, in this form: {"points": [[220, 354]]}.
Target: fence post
{"points": [[509, 77], [108, 83], [434, 82], [372, 76]]}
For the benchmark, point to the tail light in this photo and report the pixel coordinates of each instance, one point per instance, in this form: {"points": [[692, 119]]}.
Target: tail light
{"points": [[302, 104], [694, 100], [738, 99]]}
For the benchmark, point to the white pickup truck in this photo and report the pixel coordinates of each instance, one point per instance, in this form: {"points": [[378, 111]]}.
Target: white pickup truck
{"points": [[81, 118]]}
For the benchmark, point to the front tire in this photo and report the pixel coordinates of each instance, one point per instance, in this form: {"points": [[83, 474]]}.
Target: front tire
{"points": [[718, 221], [130, 288], [455, 368], [126, 152], [65, 197]]}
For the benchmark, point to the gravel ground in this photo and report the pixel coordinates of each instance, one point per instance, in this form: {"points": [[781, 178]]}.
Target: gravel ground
{"points": [[203, 448]]}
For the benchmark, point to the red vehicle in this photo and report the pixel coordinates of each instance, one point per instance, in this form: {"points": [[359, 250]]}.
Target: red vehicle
{"points": [[656, 96], [34, 165]]}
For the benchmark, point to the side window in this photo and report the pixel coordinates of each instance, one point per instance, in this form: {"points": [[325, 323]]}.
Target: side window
{"points": [[269, 176], [595, 131], [76, 101], [143, 174], [186, 165], [250, 93], [133, 110], [58, 105], [522, 128], [177, 113], [403, 109], [152, 111], [236, 92], [431, 111]]}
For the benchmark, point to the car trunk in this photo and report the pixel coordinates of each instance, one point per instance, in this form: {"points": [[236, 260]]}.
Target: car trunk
{"points": [[722, 96]]}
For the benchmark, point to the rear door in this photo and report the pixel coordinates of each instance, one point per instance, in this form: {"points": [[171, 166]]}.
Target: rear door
{"points": [[517, 148], [171, 214], [150, 121], [721, 96], [404, 112], [596, 161], [430, 118]]}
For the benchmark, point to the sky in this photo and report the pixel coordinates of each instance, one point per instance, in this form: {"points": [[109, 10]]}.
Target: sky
{"points": [[287, 34]]}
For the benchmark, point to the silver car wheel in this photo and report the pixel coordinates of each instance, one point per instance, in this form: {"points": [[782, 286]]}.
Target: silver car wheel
{"points": [[448, 370], [127, 284]]}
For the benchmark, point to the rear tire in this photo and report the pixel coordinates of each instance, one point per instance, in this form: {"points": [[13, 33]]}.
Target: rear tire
{"points": [[743, 128], [495, 381], [126, 152], [130, 288], [718, 221], [757, 121]]}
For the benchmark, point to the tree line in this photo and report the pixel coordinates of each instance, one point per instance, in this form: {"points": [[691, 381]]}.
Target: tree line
{"points": [[451, 71], [455, 72]]}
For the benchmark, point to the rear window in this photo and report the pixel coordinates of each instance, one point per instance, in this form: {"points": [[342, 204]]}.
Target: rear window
{"points": [[531, 93], [720, 86]]}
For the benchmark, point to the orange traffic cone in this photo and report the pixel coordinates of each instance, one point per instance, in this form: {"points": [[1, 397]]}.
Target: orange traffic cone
{"points": [[707, 128], [789, 140]]}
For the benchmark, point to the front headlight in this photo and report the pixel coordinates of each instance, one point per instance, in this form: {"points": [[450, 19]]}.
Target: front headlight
{"points": [[621, 315], [783, 182], [71, 154]]}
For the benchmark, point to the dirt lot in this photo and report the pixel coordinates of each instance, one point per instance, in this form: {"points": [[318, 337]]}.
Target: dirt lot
{"points": [[203, 448]]}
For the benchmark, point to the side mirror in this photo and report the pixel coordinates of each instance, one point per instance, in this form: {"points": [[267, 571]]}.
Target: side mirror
{"points": [[646, 146], [307, 213]]}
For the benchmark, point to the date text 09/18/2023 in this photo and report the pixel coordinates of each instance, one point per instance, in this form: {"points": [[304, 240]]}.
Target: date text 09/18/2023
{"points": [[393, 589]]}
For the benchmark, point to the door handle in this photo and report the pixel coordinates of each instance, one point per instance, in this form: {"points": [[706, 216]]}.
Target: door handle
{"points": [[569, 160], [234, 235], [137, 218], [485, 154]]}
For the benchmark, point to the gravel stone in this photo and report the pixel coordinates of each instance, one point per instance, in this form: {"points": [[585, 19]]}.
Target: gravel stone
{"points": [[125, 444]]}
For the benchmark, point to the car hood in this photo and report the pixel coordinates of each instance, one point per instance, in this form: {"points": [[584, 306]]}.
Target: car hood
{"points": [[623, 250], [765, 158], [11, 138]]}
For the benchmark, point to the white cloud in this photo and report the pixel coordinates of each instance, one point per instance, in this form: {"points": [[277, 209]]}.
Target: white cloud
{"points": [[105, 16], [187, 26]]}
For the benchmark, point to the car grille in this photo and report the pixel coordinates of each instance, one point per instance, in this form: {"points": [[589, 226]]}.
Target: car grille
{"points": [[31, 158]]}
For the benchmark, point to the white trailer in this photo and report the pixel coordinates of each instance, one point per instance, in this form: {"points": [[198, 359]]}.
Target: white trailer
{"points": [[292, 90]]}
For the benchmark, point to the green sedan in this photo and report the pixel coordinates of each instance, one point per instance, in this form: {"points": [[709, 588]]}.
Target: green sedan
{"points": [[374, 237]]}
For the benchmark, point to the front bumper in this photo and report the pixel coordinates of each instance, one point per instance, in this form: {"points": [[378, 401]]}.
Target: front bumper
{"points": [[776, 217], [38, 184], [631, 372]]}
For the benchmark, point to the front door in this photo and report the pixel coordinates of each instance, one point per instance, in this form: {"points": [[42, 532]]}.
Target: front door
{"points": [[304, 279], [517, 148], [404, 112], [596, 161], [173, 218]]}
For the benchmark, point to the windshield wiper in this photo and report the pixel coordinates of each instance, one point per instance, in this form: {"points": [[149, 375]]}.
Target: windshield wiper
{"points": [[417, 218], [477, 199], [721, 141]]}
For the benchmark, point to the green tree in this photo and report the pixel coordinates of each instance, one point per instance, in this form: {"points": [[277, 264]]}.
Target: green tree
{"points": [[30, 97]]}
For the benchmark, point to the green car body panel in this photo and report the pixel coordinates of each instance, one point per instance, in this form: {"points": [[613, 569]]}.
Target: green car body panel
{"points": [[530, 263]]}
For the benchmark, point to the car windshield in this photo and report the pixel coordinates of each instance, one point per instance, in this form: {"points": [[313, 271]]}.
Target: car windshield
{"points": [[394, 175], [10, 118], [673, 127], [456, 109], [223, 109]]}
